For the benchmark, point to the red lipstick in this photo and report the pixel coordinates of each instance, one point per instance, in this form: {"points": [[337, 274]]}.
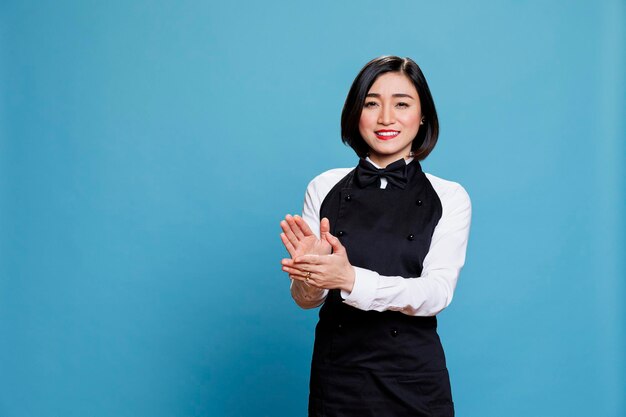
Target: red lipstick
{"points": [[386, 134]]}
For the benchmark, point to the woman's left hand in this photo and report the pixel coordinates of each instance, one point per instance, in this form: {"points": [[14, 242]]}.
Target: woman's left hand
{"points": [[332, 271]]}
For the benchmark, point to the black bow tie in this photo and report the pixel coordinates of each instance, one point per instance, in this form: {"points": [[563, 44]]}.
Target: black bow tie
{"points": [[367, 174]]}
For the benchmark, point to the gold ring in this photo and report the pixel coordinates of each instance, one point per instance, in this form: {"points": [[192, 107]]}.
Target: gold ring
{"points": [[308, 276]]}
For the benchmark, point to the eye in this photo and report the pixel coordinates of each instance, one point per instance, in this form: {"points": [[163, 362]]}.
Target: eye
{"points": [[369, 104], [402, 104]]}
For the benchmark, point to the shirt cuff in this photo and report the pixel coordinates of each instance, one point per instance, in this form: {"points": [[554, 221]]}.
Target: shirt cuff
{"points": [[364, 289]]}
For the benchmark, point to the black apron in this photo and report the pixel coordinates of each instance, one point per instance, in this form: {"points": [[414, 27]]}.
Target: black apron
{"points": [[370, 363]]}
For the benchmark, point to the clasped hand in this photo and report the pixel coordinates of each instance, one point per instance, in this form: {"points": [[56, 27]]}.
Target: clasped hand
{"points": [[321, 263]]}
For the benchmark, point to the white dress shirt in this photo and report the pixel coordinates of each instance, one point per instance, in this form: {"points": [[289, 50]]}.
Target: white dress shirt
{"points": [[425, 295]]}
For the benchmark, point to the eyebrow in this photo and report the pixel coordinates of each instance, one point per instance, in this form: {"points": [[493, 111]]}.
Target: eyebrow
{"points": [[376, 95]]}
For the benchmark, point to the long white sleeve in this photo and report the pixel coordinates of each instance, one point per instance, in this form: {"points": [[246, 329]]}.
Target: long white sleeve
{"points": [[426, 295], [430, 293]]}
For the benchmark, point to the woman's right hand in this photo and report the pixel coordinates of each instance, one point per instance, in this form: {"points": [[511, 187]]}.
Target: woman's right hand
{"points": [[300, 240]]}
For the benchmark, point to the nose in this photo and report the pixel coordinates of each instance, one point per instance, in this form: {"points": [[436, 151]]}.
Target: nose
{"points": [[386, 115]]}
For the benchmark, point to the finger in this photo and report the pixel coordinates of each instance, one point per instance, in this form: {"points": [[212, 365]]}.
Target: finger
{"points": [[298, 278], [301, 276], [295, 274], [304, 227], [300, 269], [307, 282], [288, 232], [287, 262], [304, 270], [295, 271], [288, 245], [309, 259], [324, 227], [334, 243], [294, 227]]}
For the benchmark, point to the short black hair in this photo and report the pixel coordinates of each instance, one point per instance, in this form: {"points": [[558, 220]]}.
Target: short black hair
{"points": [[427, 134]]}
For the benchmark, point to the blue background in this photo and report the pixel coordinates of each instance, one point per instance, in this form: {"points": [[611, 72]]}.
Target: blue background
{"points": [[148, 151]]}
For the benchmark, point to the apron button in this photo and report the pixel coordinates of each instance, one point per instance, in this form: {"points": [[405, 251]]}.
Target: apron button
{"points": [[418, 202], [411, 237], [340, 233], [394, 333], [348, 197]]}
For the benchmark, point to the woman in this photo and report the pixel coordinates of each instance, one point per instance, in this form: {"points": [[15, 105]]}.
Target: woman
{"points": [[390, 247]]}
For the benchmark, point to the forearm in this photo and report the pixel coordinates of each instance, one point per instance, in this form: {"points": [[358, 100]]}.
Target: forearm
{"points": [[430, 293], [419, 296], [307, 296]]}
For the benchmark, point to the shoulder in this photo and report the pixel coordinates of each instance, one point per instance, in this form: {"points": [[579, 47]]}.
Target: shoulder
{"points": [[452, 194], [316, 192], [324, 182]]}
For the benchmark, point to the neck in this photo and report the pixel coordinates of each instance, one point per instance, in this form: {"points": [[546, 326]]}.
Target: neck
{"points": [[384, 161]]}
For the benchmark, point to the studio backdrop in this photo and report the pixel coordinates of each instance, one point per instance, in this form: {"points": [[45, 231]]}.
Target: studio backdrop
{"points": [[148, 150]]}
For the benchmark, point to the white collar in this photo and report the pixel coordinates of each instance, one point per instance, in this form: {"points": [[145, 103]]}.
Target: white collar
{"points": [[407, 161]]}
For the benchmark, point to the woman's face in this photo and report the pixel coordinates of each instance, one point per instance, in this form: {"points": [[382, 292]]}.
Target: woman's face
{"points": [[391, 118]]}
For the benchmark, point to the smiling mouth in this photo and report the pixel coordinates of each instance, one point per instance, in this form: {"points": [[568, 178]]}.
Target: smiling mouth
{"points": [[386, 134]]}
